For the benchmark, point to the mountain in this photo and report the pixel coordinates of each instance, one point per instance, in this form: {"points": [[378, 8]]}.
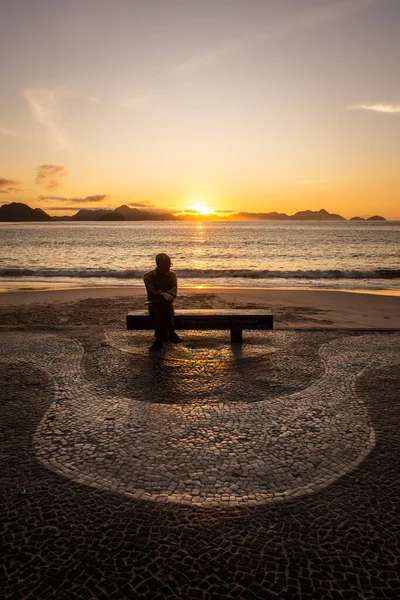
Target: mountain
{"points": [[17, 211], [130, 214], [112, 216], [134, 214], [41, 212], [88, 214], [271, 216], [374, 218], [316, 215], [303, 215]]}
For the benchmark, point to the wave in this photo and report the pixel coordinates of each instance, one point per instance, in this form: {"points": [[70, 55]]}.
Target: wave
{"points": [[380, 273]]}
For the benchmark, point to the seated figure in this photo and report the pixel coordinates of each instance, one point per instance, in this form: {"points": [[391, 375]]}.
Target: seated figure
{"points": [[161, 285]]}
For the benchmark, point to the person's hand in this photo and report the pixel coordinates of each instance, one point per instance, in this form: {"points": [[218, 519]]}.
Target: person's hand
{"points": [[167, 297]]}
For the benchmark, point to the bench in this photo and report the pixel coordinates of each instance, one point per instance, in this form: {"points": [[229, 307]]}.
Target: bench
{"points": [[208, 319]]}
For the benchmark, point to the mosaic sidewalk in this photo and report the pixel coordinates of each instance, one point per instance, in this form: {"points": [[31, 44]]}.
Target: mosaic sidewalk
{"points": [[268, 470]]}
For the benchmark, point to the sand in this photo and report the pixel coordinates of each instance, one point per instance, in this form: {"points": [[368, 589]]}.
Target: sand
{"points": [[107, 307]]}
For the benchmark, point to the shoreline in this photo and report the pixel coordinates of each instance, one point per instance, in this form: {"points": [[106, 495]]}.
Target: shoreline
{"points": [[58, 287], [292, 308]]}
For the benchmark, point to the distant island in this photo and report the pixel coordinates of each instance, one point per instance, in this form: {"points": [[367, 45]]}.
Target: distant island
{"points": [[19, 212], [16, 211], [374, 218]]}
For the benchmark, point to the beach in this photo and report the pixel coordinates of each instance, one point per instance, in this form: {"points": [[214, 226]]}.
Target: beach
{"points": [[106, 307]]}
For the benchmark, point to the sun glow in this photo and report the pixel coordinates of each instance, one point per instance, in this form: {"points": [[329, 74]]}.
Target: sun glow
{"points": [[201, 208]]}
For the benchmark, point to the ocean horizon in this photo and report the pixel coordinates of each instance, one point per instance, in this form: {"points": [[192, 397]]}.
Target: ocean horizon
{"points": [[318, 255]]}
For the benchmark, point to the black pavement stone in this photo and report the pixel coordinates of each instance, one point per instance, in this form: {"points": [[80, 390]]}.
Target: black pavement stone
{"points": [[103, 545]]}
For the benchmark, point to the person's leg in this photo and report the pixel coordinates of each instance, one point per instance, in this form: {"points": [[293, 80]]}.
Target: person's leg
{"points": [[163, 317], [159, 332], [166, 320], [173, 336]]}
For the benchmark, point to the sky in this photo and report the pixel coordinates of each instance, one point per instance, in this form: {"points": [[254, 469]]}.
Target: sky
{"points": [[234, 105]]}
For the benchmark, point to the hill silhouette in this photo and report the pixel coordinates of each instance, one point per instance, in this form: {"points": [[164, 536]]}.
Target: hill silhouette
{"points": [[134, 214], [112, 216], [302, 215], [17, 211]]}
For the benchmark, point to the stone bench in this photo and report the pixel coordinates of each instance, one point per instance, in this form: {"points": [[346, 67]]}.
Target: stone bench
{"points": [[208, 319]]}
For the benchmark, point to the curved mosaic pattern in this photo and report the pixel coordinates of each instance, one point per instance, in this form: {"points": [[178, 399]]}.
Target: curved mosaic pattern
{"points": [[206, 453], [205, 368]]}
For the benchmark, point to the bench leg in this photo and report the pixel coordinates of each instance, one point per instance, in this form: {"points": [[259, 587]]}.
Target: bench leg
{"points": [[236, 335]]}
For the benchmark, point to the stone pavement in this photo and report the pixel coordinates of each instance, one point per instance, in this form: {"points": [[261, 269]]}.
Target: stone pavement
{"points": [[208, 471]]}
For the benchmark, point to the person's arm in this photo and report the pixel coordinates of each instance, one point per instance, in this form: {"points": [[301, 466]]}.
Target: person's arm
{"points": [[149, 283], [174, 287], [170, 294]]}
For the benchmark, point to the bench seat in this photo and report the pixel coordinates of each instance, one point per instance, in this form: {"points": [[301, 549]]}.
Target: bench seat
{"points": [[208, 319]]}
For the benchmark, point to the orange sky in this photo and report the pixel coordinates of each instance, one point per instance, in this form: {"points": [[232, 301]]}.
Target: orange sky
{"points": [[268, 106]]}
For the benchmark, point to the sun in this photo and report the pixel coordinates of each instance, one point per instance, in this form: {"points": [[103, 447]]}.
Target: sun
{"points": [[201, 208]]}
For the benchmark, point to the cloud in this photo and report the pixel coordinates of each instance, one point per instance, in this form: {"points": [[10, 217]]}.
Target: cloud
{"points": [[151, 208], [151, 103], [306, 19], [6, 182], [136, 101], [381, 107], [48, 175], [204, 59], [7, 132], [97, 198], [14, 190], [141, 205], [86, 200], [44, 104], [76, 208], [7, 186], [224, 211]]}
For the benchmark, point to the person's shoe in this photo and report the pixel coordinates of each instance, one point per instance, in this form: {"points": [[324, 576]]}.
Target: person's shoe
{"points": [[157, 345], [174, 338]]}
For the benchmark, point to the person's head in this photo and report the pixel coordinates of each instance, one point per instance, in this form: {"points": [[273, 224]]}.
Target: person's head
{"points": [[163, 262]]}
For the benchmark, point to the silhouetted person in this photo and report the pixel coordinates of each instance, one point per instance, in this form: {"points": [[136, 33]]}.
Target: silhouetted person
{"points": [[162, 286]]}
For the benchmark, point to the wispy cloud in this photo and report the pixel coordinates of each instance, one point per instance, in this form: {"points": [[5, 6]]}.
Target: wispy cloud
{"points": [[86, 200], [137, 101], [154, 103], [7, 186], [209, 57], [380, 107], [141, 205], [44, 104], [306, 19], [76, 208], [7, 182], [149, 207], [7, 132], [49, 175]]}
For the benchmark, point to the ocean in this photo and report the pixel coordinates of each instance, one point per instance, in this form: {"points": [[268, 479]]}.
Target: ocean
{"points": [[332, 255]]}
